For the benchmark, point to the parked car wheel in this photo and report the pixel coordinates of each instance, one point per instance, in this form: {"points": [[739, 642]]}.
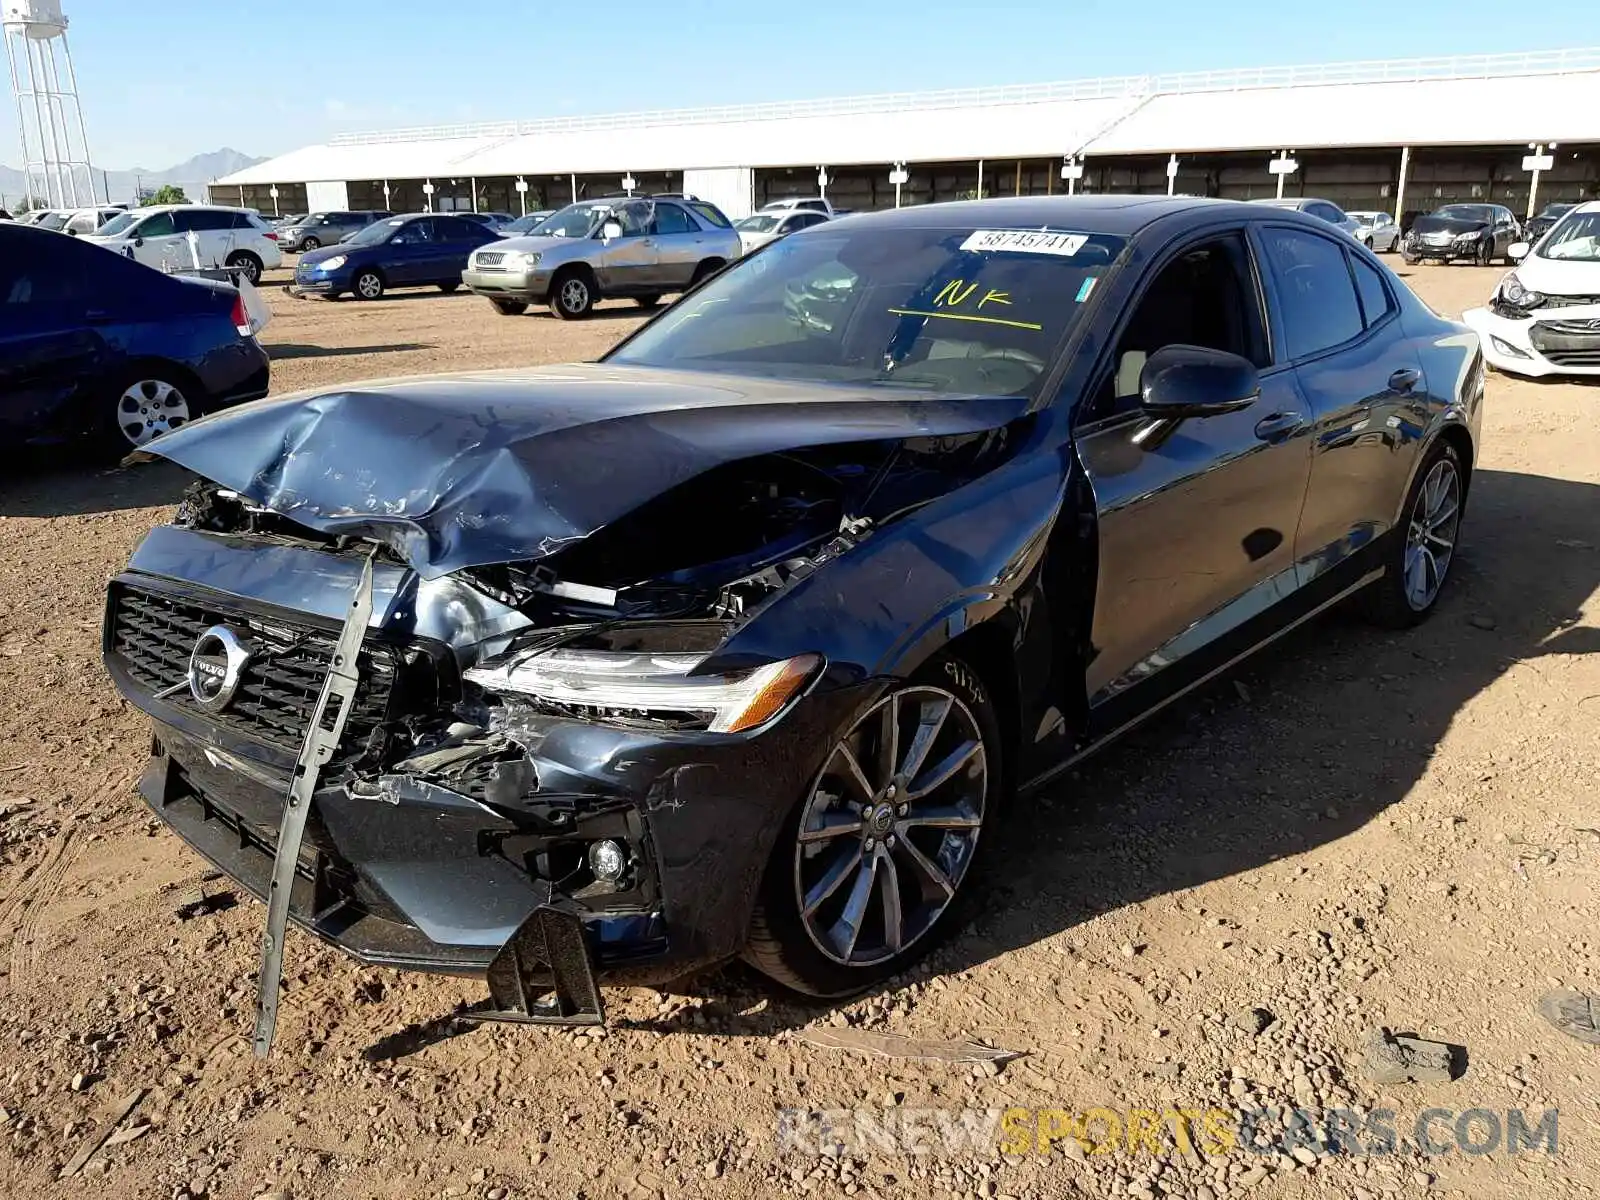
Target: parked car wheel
{"points": [[869, 868], [368, 286], [248, 263], [510, 308], [710, 267], [144, 403], [449, 288], [1485, 252], [572, 295], [647, 301], [311, 243], [1425, 546]]}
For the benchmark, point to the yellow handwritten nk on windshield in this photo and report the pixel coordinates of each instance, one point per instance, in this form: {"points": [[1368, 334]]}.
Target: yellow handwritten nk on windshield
{"points": [[958, 293]]}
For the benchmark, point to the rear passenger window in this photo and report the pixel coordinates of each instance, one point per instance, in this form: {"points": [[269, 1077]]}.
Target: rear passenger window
{"points": [[711, 215], [1376, 303], [672, 219], [1320, 309]]}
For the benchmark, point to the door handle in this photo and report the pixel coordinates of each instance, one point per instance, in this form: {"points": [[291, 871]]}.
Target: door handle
{"points": [[1278, 426], [1405, 379]]}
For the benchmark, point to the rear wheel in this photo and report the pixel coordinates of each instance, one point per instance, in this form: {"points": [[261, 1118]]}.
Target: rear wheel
{"points": [[368, 286], [572, 295], [249, 265], [710, 267], [647, 301], [141, 405], [1424, 547], [510, 308], [866, 875]]}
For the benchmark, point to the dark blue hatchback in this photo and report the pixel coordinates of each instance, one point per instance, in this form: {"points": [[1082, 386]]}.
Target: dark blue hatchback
{"points": [[418, 250]]}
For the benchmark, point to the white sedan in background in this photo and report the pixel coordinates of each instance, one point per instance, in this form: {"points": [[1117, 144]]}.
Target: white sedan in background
{"points": [[768, 226], [1378, 230], [1544, 316]]}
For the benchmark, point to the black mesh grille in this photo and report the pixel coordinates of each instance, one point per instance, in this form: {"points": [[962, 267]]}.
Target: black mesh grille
{"points": [[153, 634]]}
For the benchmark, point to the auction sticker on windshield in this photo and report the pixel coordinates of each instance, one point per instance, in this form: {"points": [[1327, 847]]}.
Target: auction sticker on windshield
{"points": [[1025, 241]]}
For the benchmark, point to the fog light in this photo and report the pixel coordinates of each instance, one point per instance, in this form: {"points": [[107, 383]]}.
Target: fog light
{"points": [[608, 860], [1508, 349]]}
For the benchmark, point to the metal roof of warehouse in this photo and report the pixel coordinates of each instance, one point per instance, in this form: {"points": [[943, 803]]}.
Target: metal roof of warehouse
{"points": [[1487, 99]]}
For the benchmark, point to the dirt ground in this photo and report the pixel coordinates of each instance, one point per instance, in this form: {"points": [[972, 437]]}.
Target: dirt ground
{"points": [[1358, 830]]}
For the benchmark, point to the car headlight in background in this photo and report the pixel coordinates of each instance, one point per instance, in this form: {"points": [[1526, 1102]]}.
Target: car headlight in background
{"points": [[334, 263], [607, 681], [1513, 293]]}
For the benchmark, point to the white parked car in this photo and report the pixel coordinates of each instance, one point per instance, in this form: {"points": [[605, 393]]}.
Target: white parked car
{"points": [[807, 203], [89, 220], [1544, 316], [760, 228], [1378, 230], [224, 237]]}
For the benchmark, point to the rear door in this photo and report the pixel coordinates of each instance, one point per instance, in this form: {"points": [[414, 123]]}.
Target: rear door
{"points": [[52, 350], [1359, 372], [1196, 519], [679, 244]]}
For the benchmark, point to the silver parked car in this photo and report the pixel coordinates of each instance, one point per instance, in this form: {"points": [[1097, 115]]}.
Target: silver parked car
{"points": [[321, 229], [641, 247], [1379, 230], [1325, 210], [760, 228]]}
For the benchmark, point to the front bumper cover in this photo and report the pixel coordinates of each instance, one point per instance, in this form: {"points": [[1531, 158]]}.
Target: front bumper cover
{"points": [[1553, 341]]}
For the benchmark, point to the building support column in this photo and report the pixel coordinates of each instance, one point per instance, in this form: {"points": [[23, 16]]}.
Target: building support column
{"points": [[1400, 187]]}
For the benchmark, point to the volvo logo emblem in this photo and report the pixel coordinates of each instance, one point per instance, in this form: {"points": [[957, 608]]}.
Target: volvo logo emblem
{"points": [[216, 667]]}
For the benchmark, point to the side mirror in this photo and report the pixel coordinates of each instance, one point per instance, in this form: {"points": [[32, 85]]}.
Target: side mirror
{"points": [[611, 229], [1191, 381], [1518, 251], [138, 241]]}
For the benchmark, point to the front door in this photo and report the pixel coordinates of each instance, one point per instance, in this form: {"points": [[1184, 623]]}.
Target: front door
{"points": [[412, 251], [1196, 521], [629, 264], [156, 242]]}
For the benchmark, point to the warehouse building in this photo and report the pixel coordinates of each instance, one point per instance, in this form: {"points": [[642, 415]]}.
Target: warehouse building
{"points": [[1401, 136]]}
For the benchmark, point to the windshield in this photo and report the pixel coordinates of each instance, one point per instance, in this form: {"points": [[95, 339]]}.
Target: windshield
{"points": [[526, 224], [760, 223], [953, 310], [54, 220], [1551, 211], [374, 234], [1466, 212], [575, 220], [115, 226], [1576, 239]]}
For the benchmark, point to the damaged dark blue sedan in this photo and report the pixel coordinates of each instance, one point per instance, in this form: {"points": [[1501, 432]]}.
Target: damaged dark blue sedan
{"points": [[740, 641]]}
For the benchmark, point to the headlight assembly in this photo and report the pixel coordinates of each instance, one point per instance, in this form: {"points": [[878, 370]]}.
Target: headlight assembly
{"points": [[1470, 235], [1513, 293], [334, 263], [521, 260], [620, 683]]}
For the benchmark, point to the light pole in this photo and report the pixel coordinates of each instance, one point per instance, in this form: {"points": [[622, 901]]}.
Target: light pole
{"points": [[1283, 166], [1072, 171], [898, 175], [1537, 162]]}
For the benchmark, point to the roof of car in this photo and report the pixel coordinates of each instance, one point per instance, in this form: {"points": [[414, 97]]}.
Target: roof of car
{"points": [[160, 208], [1121, 215]]}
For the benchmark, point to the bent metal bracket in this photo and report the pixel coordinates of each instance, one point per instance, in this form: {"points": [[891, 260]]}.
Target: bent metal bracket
{"points": [[322, 739]]}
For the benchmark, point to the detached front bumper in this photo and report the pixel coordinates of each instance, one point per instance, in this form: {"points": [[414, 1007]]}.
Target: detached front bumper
{"points": [[1449, 252], [1551, 341]]}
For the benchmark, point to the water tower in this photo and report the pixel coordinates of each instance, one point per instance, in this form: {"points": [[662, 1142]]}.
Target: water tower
{"points": [[55, 147]]}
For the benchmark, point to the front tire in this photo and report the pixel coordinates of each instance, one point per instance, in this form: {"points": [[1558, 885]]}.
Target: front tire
{"points": [[510, 308], [368, 285], [311, 243], [1423, 549], [449, 289], [572, 296], [868, 873], [647, 301], [248, 264]]}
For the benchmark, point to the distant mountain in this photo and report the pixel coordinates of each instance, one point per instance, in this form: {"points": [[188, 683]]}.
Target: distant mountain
{"points": [[192, 176]]}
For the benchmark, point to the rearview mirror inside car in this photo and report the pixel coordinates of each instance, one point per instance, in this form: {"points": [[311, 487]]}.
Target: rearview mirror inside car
{"points": [[1193, 381], [1518, 251]]}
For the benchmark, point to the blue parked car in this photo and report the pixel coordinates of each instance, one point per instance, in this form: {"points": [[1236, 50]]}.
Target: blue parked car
{"points": [[104, 354], [417, 250]]}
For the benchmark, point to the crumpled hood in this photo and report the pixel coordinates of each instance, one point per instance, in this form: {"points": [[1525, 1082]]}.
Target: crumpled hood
{"points": [[1554, 277], [1446, 225], [469, 470]]}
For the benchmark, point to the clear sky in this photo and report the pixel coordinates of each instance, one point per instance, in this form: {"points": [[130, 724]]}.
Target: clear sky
{"points": [[165, 79]]}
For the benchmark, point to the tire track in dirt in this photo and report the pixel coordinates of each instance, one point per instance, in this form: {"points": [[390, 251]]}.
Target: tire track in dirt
{"points": [[22, 911]]}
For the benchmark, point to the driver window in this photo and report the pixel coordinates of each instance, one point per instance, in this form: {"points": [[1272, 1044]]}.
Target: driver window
{"points": [[634, 219], [1204, 297], [159, 225]]}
